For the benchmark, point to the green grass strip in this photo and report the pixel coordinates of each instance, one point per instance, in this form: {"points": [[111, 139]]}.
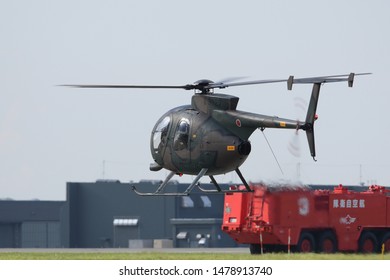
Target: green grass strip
{"points": [[186, 256]]}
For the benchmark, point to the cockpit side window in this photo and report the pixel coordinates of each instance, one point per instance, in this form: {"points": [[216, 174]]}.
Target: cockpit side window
{"points": [[160, 133], [182, 135]]}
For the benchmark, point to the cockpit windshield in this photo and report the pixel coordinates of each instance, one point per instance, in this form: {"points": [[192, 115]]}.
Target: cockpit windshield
{"points": [[182, 135], [160, 133]]}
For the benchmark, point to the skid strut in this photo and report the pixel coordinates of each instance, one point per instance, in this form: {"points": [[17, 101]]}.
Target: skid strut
{"points": [[220, 190], [160, 189], [195, 182]]}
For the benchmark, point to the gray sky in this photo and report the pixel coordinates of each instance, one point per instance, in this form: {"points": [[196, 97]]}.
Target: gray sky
{"points": [[51, 135]]}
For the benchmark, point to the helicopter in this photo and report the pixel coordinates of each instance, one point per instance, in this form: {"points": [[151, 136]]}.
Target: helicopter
{"points": [[211, 137]]}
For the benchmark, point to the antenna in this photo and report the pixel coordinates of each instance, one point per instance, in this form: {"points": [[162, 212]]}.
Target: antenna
{"points": [[272, 151]]}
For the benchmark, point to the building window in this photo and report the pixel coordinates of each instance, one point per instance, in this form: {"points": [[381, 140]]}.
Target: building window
{"points": [[206, 202], [187, 202], [125, 222], [182, 235]]}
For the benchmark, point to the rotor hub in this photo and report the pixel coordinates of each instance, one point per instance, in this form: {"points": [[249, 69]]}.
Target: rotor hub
{"points": [[203, 86]]}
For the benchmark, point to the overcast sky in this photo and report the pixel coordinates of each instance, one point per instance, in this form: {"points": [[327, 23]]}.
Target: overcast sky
{"points": [[52, 135]]}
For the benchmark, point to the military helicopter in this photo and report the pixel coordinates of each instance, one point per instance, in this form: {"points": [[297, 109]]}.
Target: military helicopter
{"points": [[211, 137]]}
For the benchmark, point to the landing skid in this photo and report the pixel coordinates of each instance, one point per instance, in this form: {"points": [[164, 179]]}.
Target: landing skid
{"points": [[160, 189]]}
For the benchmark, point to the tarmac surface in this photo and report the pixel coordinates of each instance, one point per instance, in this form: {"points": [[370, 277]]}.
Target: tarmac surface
{"points": [[239, 250]]}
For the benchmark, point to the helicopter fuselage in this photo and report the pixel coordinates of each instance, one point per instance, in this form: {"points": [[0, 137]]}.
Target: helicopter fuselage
{"points": [[187, 139]]}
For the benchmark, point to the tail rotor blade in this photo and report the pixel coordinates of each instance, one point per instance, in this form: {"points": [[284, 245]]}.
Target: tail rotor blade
{"points": [[294, 146]]}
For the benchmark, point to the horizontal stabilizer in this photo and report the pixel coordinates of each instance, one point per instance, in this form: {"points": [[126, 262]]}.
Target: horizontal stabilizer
{"points": [[324, 79]]}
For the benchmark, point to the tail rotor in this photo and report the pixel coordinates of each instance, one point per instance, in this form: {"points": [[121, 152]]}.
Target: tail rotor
{"points": [[294, 145]]}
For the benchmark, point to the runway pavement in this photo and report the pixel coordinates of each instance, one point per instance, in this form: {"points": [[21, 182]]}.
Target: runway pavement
{"points": [[126, 250]]}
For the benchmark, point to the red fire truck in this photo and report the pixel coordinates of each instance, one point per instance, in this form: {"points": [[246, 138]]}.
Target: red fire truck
{"points": [[277, 218]]}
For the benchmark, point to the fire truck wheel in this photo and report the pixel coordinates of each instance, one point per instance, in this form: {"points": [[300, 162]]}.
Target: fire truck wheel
{"points": [[386, 242], [255, 249], [327, 242], [368, 243], [306, 243]]}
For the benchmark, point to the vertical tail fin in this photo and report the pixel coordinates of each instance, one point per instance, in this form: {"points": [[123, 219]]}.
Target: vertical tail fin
{"points": [[311, 117]]}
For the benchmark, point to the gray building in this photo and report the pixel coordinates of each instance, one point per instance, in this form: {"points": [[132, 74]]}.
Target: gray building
{"points": [[109, 214], [31, 224]]}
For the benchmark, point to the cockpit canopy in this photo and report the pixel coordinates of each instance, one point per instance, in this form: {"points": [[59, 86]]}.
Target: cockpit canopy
{"points": [[182, 135], [160, 133]]}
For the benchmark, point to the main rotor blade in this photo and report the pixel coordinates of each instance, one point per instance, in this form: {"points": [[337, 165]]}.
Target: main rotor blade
{"points": [[187, 87], [225, 85], [205, 85], [212, 85], [230, 80]]}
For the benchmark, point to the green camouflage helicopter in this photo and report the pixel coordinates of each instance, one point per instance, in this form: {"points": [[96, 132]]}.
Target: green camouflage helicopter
{"points": [[211, 137]]}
